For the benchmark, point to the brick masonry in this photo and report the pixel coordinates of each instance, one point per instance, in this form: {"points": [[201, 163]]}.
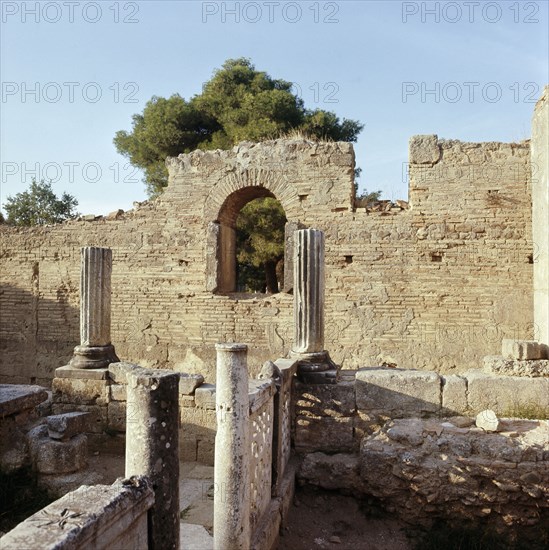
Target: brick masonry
{"points": [[433, 287]]}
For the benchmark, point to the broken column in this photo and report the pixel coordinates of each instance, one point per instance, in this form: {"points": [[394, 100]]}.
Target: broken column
{"points": [[315, 365], [152, 448], [95, 349], [232, 450]]}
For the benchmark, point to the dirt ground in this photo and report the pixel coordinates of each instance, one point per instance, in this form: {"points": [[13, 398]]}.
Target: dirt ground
{"points": [[329, 520]]}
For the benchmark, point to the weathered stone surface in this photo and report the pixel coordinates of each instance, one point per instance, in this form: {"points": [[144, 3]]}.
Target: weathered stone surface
{"points": [[540, 216], [424, 149], [65, 426], [398, 392], [259, 392], [97, 420], [495, 364], [152, 447], [118, 371], [337, 471], [487, 420], [95, 349], [118, 392], [189, 382], [69, 371], [508, 396], [323, 433], [15, 398], [522, 350], [80, 392], [93, 517], [454, 394], [381, 280], [232, 476], [117, 415], [50, 456], [457, 473], [204, 396], [336, 400]]}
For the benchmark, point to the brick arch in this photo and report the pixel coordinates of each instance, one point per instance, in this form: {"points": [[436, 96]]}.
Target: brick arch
{"points": [[227, 198], [224, 203]]}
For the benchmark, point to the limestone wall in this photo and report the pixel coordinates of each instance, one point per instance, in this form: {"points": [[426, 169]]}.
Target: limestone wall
{"points": [[434, 287]]}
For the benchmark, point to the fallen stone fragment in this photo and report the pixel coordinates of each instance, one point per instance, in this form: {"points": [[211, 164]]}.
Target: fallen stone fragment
{"points": [[67, 425], [487, 420]]}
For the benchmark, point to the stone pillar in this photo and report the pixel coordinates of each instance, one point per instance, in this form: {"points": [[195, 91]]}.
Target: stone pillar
{"points": [[232, 450], [95, 349], [308, 347], [152, 448], [540, 218]]}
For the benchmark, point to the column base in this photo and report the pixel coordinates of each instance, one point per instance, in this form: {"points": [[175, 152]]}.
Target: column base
{"points": [[93, 357], [315, 367]]}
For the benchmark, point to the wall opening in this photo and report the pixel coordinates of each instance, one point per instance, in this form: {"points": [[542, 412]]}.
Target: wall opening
{"points": [[247, 247]]}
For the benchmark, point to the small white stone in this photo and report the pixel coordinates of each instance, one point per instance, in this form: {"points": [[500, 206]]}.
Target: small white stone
{"points": [[487, 420]]}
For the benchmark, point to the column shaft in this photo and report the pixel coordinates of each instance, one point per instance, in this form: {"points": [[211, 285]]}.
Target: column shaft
{"points": [[152, 448], [95, 349], [232, 450]]}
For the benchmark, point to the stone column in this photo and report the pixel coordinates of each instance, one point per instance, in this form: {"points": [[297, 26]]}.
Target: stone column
{"points": [[308, 347], [539, 153], [152, 448], [232, 450], [95, 349]]}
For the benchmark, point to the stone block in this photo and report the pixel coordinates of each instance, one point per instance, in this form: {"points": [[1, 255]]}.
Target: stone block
{"points": [[495, 364], [189, 382], [118, 371], [454, 395], [50, 456], [204, 396], [105, 516], [508, 396], [64, 426], [337, 471], [522, 349], [118, 392], [116, 413], [18, 397], [424, 149], [335, 400], [85, 374], [80, 392], [96, 422], [186, 401], [198, 421], [326, 434], [398, 393]]}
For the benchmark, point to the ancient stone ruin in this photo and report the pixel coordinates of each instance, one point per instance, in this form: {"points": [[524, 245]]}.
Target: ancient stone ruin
{"points": [[405, 361]]}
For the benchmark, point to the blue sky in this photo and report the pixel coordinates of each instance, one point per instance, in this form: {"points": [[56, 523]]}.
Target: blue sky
{"points": [[74, 73]]}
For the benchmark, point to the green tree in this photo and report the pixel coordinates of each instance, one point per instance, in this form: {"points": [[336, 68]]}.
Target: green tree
{"points": [[260, 243], [39, 205], [238, 103]]}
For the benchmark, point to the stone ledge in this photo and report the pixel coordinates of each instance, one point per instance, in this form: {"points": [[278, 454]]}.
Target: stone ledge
{"points": [[86, 374], [398, 392], [16, 398], [115, 515], [522, 350]]}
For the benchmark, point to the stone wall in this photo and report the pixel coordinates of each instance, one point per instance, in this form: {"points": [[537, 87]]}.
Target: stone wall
{"points": [[435, 286]]}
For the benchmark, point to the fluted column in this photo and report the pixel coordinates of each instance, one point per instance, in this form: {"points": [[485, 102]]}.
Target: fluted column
{"points": [[308, 345], [95, 349]]}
